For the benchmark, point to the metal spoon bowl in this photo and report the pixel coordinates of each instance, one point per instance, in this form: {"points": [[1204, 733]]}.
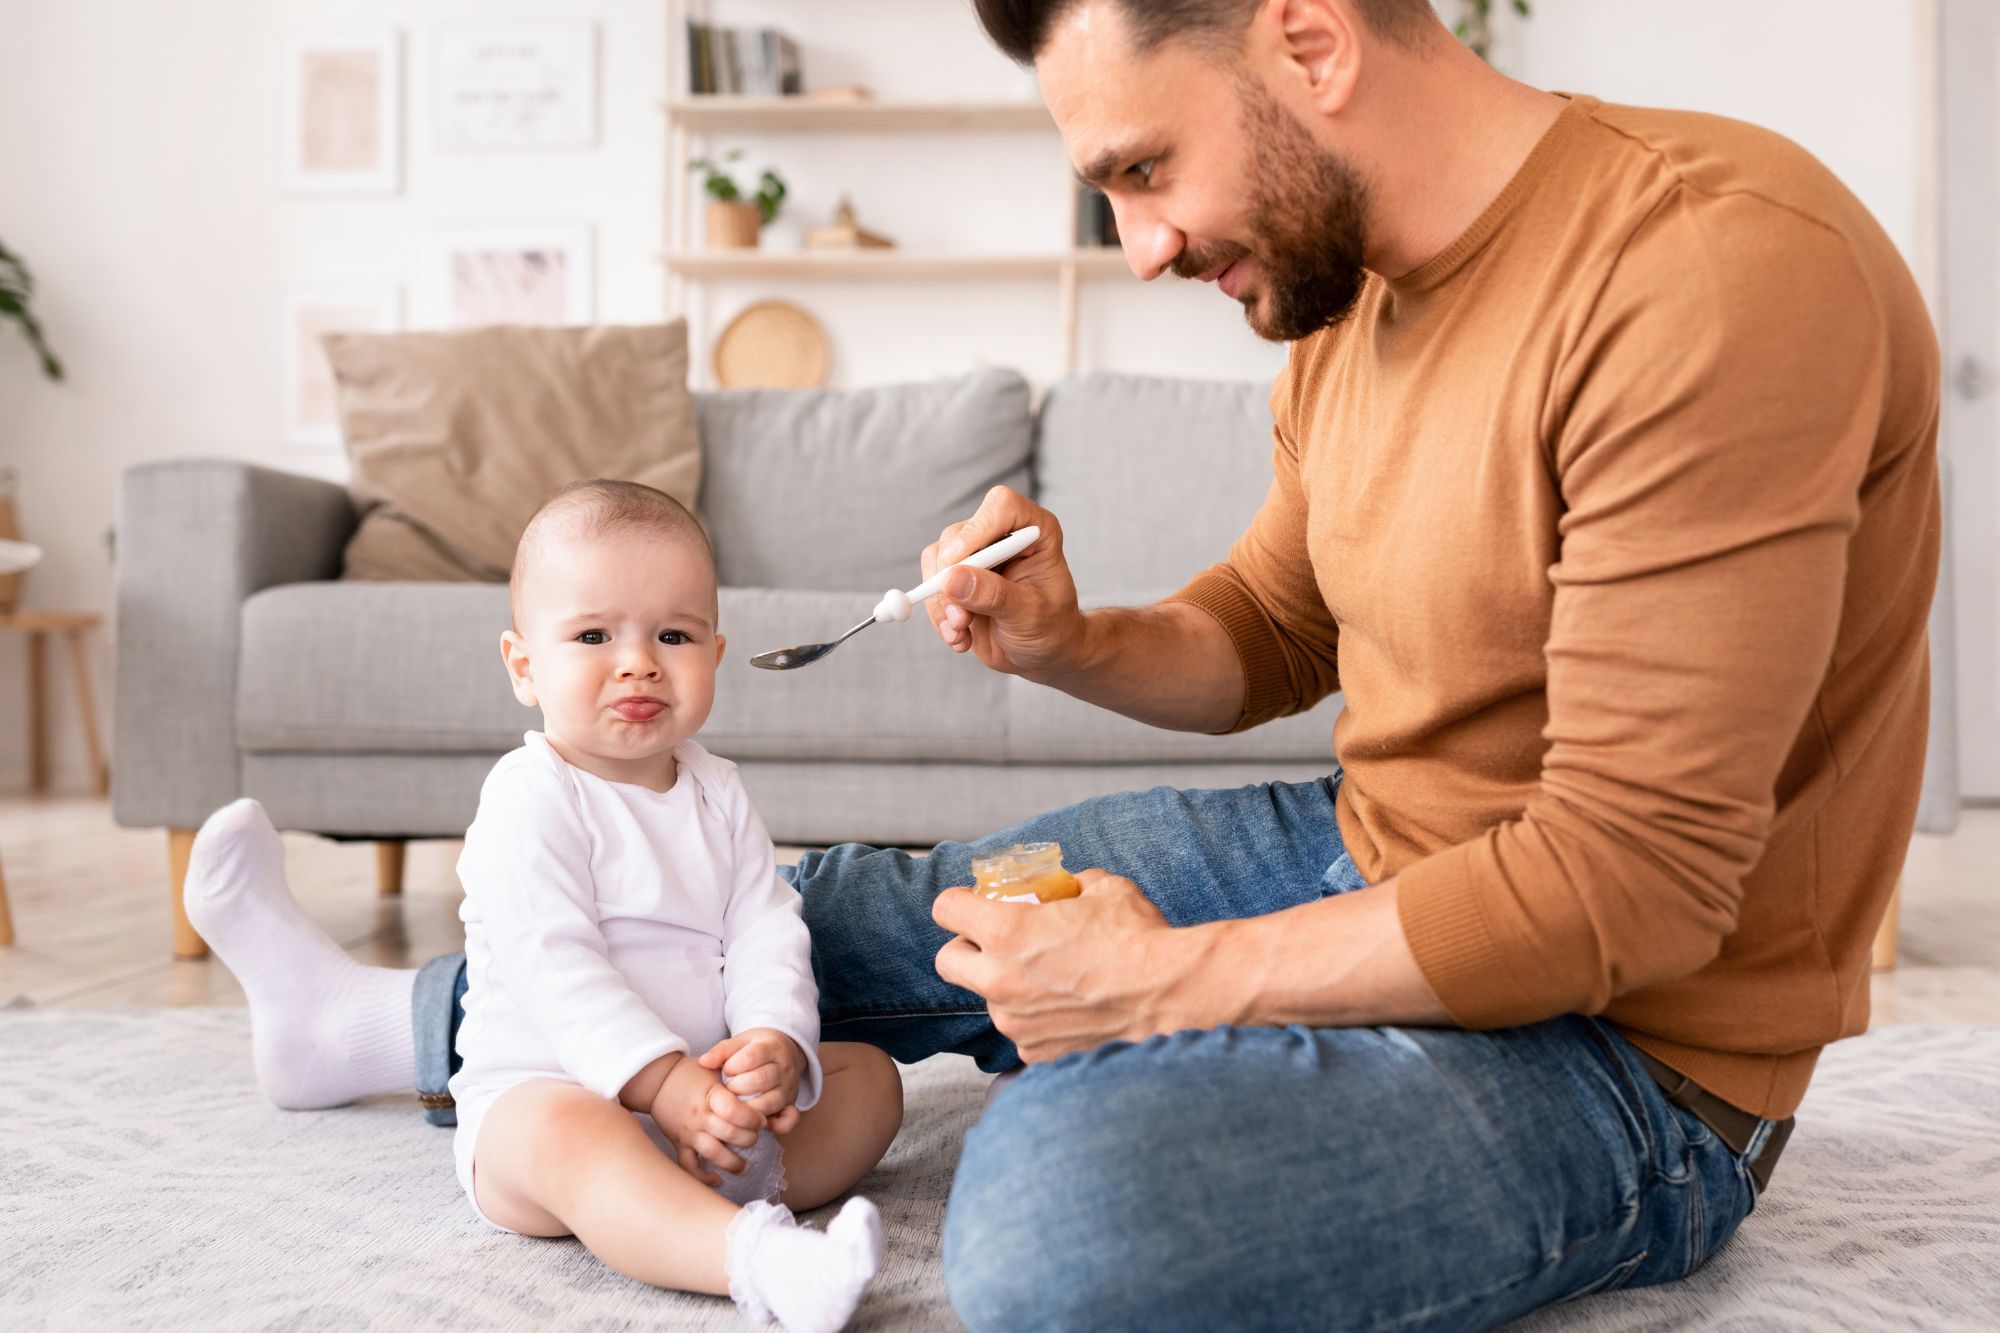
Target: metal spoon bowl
{"points": [[804, 654]]}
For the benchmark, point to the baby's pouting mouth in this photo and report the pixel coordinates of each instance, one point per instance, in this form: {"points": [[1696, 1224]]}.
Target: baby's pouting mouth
{"points": [[638, 708]]}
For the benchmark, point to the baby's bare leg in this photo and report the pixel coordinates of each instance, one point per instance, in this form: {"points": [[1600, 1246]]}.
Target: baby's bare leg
{"points": [[842, 1138], [554, 1159]]}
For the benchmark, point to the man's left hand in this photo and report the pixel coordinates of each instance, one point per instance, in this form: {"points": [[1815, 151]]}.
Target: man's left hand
{"points": [[1072, 974]]}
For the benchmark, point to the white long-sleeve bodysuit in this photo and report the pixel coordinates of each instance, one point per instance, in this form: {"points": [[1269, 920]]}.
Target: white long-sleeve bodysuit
{"points": [[607, 925]]}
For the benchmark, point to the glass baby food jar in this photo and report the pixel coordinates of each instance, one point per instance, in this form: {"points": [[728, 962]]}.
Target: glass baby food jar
{"points": [[1027, 872]]}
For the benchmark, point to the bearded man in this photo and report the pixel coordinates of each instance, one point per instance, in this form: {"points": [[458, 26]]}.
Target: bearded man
{"points": [[1605, 488]]}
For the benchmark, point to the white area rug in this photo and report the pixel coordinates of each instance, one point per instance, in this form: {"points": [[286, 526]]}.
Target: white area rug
{"points": [[145, 1183]]}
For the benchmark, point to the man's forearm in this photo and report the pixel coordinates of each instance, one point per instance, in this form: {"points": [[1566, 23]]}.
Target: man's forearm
{"points": [[1169, 665], [1339, 962]]}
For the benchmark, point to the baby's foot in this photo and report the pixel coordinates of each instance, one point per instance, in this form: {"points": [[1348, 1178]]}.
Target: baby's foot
{"points": [[323, 1028], [809, 1281]]}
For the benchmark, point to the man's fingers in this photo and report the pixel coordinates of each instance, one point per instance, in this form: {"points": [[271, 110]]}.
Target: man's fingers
{"points": [[1101, 882], [961, 964], [1002, 511]]}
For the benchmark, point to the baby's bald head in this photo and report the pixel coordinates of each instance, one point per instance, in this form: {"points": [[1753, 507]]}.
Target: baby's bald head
{"points": [[587, 510]]}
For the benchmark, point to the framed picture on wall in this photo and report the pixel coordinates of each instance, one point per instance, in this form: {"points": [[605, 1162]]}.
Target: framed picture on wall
{"points": [[311, 418], [517, 87], [512, 273], [343, 112]]}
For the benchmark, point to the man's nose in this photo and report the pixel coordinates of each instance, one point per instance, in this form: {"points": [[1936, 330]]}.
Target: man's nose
{"points": [[1151, 243]]}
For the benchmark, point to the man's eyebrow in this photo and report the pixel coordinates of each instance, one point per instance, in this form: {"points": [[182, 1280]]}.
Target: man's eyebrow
{"points": [[1105, 165]]}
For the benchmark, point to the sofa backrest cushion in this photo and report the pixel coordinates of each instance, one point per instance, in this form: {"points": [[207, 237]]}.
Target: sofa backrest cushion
{"points": [[842, 489], [1151, 478]]}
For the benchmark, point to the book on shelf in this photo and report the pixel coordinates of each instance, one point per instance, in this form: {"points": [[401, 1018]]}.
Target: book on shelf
{"points": [[742, 62]]}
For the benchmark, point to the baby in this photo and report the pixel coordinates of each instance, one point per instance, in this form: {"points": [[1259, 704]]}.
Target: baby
{"points": [[642, 1065]]}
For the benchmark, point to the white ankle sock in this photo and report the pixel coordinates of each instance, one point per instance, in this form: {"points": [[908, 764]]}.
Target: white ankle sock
{"points": [[324, 1028], [809, 1281]]}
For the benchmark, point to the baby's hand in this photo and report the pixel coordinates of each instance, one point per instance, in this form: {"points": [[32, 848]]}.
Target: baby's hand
{"points": [[704, 1120], [764, 1067]]}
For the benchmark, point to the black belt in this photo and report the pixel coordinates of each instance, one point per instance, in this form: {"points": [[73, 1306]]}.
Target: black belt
{"points": [[1734, 1126]]}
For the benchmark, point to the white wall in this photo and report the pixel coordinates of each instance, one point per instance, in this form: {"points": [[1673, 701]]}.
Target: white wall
{"points": [[139, 176]]}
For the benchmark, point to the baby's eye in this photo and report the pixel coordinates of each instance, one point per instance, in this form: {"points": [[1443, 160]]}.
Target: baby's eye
{"points": [[673, 637], [593, 637]]}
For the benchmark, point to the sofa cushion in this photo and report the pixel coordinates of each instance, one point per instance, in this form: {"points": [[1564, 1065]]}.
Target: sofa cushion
{"points": [[415, 667], [1152, 478], [377, 666], [843, 489], [457, 437]]}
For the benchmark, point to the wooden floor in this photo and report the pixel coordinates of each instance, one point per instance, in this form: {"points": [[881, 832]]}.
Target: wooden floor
{"points": [[91, 925]]}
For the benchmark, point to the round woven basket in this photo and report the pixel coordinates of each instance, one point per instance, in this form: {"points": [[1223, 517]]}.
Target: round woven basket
{"points": [[771, 345]]}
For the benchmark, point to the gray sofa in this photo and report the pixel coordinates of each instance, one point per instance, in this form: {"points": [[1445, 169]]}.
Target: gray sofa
{"points": [[373, 710]]}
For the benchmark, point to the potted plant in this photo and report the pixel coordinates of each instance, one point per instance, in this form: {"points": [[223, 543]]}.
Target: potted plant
{"points": [[17, 285], [1475, 24], [734, 220]]}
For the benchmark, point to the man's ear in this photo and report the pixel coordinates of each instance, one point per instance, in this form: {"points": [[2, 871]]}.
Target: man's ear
{"points": [[1317, 47], [514, 652]]}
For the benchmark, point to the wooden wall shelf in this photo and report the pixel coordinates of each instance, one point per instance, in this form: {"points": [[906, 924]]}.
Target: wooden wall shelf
{"points": [[883, 265], [772, 114]]}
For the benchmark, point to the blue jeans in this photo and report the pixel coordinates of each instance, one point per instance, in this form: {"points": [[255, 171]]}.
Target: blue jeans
{"points": [[1261, 1178]]}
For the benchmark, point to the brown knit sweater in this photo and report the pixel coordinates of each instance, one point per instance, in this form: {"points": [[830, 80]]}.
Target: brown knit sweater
{"points": [[1617, 523]]}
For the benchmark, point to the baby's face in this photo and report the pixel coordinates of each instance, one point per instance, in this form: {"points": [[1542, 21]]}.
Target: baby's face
{"points": [[616, 643]]}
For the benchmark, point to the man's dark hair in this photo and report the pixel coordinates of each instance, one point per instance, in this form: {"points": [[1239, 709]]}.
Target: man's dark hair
{"points": [[1021, 27]]}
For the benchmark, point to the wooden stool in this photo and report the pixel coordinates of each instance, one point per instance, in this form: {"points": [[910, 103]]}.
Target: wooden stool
{"points": [[72, 625], [6, 917]]}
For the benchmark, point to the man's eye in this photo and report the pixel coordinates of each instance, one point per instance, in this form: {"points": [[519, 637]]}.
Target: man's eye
{"points": [[593, 636], [1144, 171], [673, 637]]}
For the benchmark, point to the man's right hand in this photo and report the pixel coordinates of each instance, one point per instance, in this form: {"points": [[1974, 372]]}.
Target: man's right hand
{"points": [[1024, 622]]}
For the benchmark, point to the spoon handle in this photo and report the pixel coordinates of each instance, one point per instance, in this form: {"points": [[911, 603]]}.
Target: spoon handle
{"points": [[998, 553]]}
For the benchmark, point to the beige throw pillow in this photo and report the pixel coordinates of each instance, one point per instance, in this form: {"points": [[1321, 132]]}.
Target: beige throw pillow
{"points": [[456, 438]]}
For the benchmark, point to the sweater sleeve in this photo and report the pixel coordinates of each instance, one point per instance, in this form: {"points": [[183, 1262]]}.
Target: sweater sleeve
{"points": [[526, 869], [767, 977], [1713, 425], [1265, 595]]}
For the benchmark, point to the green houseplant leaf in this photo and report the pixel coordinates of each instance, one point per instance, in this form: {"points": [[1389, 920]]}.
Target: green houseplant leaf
{"points": [[17, 287]]}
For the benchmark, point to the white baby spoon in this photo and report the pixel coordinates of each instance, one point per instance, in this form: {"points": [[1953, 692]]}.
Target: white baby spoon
{"points": [[898, 606]]}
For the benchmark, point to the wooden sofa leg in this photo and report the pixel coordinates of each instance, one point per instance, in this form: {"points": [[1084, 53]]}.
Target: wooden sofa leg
{"points": [[6, 916], [389, 868], [187, 944], [1886, 934]]}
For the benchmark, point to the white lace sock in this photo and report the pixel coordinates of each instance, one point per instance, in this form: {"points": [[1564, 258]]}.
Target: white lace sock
{"points": [[809, 1281], [324, 1029]]}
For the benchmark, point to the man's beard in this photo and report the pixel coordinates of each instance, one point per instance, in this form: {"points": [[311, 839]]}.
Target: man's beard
{"points": [[1308, 212]]}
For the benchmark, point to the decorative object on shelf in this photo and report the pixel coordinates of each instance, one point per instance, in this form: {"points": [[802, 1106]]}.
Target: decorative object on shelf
{"points": [[736, 221], [748, 62], [512, 273], [311, 314], [843, 233], [517, 87], [1475, 24], [771, 345], [842, 92], [17, 288], [16, 556], [342, 113]]}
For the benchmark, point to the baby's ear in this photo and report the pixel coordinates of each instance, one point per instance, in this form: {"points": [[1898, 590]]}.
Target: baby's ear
{"points": [[514, 652], [720, 643]]}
